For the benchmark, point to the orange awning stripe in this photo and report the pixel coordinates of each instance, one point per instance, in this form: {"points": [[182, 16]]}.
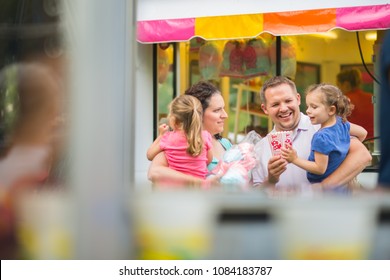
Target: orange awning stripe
{"points": [[300, 22]]}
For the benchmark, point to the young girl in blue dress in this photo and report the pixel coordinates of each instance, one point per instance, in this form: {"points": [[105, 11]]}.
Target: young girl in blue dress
{"points": [[329, 108]]}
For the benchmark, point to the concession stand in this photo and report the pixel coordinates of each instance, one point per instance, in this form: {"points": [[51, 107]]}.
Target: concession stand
{"points": [[308, 42]]}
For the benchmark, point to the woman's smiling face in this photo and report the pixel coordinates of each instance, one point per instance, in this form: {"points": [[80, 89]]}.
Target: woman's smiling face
{"points": [[214, 115]]}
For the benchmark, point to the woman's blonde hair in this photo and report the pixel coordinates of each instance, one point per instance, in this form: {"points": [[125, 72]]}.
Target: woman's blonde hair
{"points": [[187, 113]]}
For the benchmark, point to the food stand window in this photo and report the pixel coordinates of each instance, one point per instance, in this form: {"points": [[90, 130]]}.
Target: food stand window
{"points": [[307, 74], [164, 81]]}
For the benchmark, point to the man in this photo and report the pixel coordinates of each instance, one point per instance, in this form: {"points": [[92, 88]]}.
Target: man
{"points": [[280, 101]]}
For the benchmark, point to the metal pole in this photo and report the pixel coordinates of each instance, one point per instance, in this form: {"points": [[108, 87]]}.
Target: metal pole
{"points": [[100, 36], [278, 56]]}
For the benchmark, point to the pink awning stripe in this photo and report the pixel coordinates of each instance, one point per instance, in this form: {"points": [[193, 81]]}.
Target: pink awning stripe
{"points": [[172, 30], [361, 18]]}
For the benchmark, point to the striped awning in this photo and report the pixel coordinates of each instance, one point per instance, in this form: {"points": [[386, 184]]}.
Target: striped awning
{"points": [[373, 17]]}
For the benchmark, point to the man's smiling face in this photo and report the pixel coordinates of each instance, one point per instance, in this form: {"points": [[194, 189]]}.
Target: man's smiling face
{"points": [[282, 106]]}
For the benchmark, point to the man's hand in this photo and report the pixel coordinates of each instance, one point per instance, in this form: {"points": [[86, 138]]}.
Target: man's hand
{"points": [[276, 166]]}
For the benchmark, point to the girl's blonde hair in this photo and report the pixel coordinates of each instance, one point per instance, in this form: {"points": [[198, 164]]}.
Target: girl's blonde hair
{"points": [[333, 96], [187, 112]]}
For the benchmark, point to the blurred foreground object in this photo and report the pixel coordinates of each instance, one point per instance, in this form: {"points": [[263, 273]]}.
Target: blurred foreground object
{"points": [[384, 128], [173, 225], [330, 228], [29, 110], [44, 225]]}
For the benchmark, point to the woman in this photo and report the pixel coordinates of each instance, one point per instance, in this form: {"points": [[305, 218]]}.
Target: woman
{"points": [[214, 116]]}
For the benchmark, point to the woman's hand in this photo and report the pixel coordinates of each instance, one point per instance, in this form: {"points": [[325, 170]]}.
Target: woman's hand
{"points": [[160, 173]]}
